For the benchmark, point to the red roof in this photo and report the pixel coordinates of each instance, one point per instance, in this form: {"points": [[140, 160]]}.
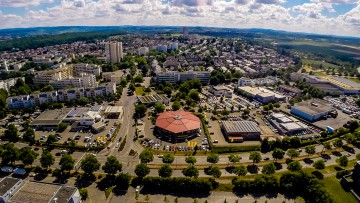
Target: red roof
{"points": [[178, 121]]}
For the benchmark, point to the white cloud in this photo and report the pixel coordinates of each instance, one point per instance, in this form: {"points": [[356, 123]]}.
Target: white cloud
{"points": [[22, 3], [219, 13]]}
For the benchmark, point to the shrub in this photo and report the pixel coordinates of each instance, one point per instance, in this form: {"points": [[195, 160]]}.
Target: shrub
{"points": [[83, 193], [342, 173]]}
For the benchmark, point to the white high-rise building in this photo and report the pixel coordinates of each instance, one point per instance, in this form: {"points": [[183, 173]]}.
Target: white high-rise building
{"points": [[114, 52], [185, 32], [6, 66], [173, 46]]}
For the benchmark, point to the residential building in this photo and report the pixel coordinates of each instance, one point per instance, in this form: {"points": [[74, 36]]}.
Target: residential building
{"points": [[243, 81], [175, 76], [162, 48], [114, 52], [44, 77], [75, 82], [113, 77], [143, 51], [27, 101], [87, 68], [185, 32], [7, 84], [173, 46]]}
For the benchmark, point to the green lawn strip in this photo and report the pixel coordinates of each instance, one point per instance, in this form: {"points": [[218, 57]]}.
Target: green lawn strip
{"points": [[339, 194], [139, 90]]}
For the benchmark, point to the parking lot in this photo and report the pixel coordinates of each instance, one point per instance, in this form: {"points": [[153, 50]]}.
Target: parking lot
{"points": [[82, 138]]}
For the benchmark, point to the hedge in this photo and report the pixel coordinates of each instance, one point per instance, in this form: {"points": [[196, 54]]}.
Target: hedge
{"points": [[177, 184]]}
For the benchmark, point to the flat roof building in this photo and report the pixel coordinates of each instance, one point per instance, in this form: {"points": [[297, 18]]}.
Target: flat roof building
{"points": [[8, 186], [38, 192], [312, 110], [239, 131]]}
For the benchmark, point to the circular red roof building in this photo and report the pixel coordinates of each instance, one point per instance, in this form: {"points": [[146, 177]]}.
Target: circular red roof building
{"points": [[178, 122]]}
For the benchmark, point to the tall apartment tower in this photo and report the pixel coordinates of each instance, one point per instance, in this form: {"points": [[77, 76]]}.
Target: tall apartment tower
{"points": [[114, 52], [186, 32], [6, 66]]}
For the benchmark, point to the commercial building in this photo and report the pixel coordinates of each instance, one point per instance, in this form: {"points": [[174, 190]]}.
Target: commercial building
{"points": [[262, 95], [243, 81], [329, 84], [175, 76], [7, 84], [177, 125], [287, 124], [8, 186], [239, 131], [26, 101], [152, 99], [221, 91], [36, 192], [114, 52], [294, 91], [312, 110]]}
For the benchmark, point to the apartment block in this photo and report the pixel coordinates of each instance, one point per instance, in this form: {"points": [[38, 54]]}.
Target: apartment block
{"points": [[87, 68], [114, 52], [7, 84], [175, 76], [27, 101], [76, 82]]}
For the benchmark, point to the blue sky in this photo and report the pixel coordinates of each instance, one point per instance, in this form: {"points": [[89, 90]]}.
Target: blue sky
{"points": [[338, 17]]}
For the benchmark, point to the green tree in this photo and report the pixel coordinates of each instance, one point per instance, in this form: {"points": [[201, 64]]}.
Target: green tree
{"points": [[159, 107], [292, 153], [83, 101], [138, 79], [27, 156], [319, 164], [327, 145], [214, 171], [234, 158], [342, 161], [294, 166], [310, 149], [141, 170], [165, 171], [140, 110], [278, 154], [338, 143], [62, 127], [9, 154], [176, 106], [212, 158], [255, 157], [112, 165], [191, 171], [51, 139], [146, 156], [269, 169], [168, 158], [11, 133], [29, 136], [194, 95], [90, 164], [190, 160], [66, 162], [47, 159], [358, 156], [240, 170], [122, 181], [168, 91]]}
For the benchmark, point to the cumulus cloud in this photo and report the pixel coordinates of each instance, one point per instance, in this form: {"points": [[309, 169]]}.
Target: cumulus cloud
{"points": [[306, 17]]}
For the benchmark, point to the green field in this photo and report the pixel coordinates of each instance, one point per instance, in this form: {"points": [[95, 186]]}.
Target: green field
{"points": [[338, 193], [317, 63]]}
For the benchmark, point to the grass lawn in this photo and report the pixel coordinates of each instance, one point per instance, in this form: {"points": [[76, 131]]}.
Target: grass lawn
{"points": [[338, 193], [354, 80], [139, 90]]}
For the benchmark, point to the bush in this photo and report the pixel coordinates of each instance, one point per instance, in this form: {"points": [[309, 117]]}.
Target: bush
{"points": [[342, 173], [83, 193]]}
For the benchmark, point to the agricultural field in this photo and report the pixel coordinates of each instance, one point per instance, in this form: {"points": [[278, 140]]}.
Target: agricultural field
{"points": [[318, 63]]}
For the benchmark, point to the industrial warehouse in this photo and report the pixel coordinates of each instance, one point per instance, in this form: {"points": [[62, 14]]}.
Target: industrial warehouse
{"points": [[239, 131]]}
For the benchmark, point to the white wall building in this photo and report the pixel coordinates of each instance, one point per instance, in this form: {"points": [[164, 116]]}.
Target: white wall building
{"points": [[143, 51], [175, 76], [114, 52], [87, 68]]}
